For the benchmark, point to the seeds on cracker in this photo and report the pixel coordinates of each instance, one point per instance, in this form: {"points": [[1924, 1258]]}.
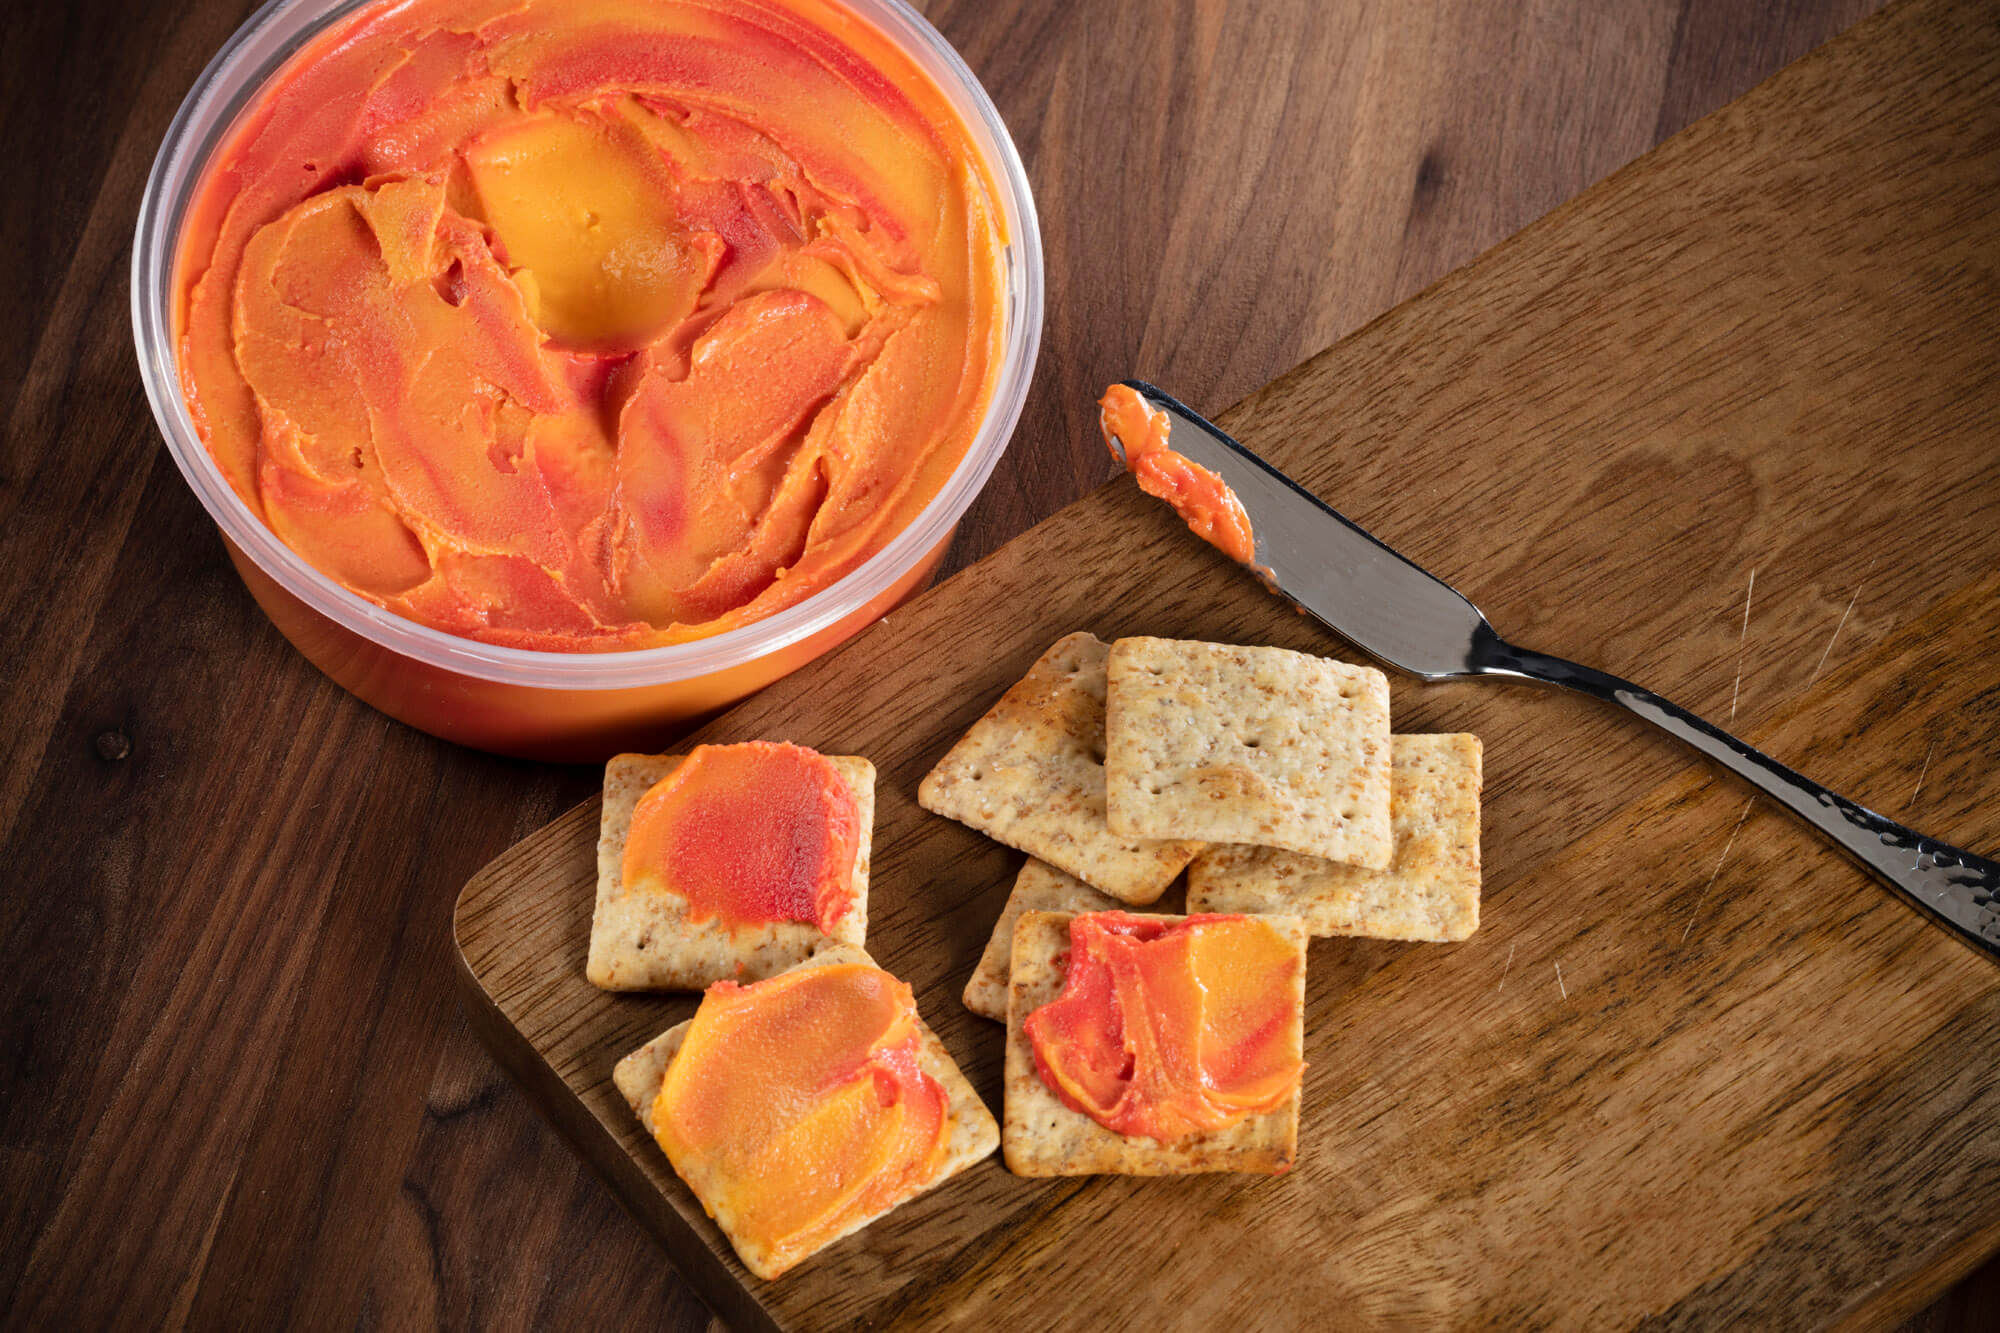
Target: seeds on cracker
{"points": [[1031, 774], [1248, 745], [1430, 890], [646, 935], [1039, 888]]}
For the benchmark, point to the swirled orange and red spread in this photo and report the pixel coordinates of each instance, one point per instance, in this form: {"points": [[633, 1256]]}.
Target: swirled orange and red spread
{"points": [[1167, 1029], [1136, 433], [591, 324], [749, 835], [797, 1107]]}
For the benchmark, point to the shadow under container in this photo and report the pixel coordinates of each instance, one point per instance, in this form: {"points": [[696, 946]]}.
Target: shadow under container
{"points": [[574, 707]]}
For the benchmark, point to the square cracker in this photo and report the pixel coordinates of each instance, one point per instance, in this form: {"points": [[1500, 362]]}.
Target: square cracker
{"points": [[1256, 745], [971, 1135], [1430, 890], [1038, 888], [645, 941], [1031, 774], [1042, 1137]]}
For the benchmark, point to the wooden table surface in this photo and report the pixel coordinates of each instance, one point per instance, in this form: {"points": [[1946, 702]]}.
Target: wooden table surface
{"points": [[234, 1084]]}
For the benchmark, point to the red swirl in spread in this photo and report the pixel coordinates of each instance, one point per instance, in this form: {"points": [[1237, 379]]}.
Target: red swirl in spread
{"points": [[591, 324], [1137, 432], [749, 835], [1170, 1029]]}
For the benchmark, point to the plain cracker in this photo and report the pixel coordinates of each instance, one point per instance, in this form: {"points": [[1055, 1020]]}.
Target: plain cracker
{"points": [[1430, 890], [1031, 774], [645, 941], [1042, 1137], [1039, 888], [1250, 745], [972, 1136]]}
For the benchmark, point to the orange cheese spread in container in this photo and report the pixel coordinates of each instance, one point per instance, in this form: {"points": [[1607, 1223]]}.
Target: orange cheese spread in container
{"points": [[1170, 1029], [591, 324], [749, 835], [796, 1108], [1202, 499]]}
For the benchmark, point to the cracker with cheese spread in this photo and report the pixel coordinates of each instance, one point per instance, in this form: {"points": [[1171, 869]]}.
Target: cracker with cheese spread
{"points": [[645, 939], [970, 1131], [1430, 891], [1031, 774], [1247, 745], [1043, 1135]]}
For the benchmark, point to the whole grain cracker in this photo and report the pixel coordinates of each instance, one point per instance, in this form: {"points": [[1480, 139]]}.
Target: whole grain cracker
{"points": [[1430, 890], [1041, 1136], [971, 1134], [1038, 888], [646, 941], [1249, 745], [1031, 774]]}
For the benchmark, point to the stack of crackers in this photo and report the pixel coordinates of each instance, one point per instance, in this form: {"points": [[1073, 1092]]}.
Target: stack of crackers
{"points": [[1271, 776]]}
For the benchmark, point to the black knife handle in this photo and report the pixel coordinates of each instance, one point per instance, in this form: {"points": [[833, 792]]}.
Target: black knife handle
{"points": [[1958, 888]]}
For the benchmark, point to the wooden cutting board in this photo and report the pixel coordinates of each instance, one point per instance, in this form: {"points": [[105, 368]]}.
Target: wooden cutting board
{"points": [[1728, 424]]}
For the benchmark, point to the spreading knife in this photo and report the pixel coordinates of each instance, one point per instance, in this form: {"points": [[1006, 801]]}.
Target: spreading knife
{"points": [[1408, 618]]}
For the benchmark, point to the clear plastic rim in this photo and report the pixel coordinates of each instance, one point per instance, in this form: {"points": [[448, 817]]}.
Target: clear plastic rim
{"points": [[229, 83]]}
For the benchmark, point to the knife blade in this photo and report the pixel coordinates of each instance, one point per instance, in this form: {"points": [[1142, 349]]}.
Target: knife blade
{"points": [[1382, 602], [1394, 610]]}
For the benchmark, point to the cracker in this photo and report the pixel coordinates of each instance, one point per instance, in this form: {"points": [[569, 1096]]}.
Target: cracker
{"points": [[645, 941], [1031, 774], [1430, 890], [1039, 888], [1042, 1137], [1254, 745], [971, 1136]]}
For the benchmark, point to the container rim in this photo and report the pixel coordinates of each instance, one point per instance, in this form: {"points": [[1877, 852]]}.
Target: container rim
{"points": [[209, 114]]}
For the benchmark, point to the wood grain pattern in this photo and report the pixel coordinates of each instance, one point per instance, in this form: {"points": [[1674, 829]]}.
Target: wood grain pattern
{"points": [[233, 1085], [1694, 1068]]}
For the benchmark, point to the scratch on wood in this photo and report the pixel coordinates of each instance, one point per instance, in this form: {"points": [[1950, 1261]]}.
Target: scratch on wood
{"points": [[1505, 970], [1559, 981], [1718, 868], [1741, 635], [1925, 769], [1842, 624]]}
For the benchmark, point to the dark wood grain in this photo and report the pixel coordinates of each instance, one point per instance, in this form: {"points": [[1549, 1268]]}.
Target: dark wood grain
{"points": [[233, 1085]]}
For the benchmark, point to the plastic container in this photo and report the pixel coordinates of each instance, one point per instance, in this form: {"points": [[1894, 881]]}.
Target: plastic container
{"points": [[568, 706]]}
